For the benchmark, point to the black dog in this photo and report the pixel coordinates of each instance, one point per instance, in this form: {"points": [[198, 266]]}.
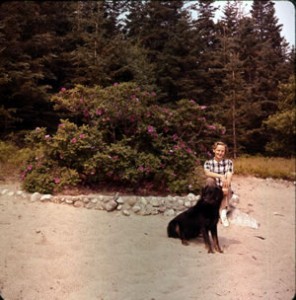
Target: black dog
{"points": [[201, 218]]}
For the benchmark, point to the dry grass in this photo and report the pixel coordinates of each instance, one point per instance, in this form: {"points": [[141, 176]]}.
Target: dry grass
{"points": [[274, 167]]}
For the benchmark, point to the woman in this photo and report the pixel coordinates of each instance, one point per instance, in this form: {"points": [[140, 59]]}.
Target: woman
{"points": [[221, 170]]}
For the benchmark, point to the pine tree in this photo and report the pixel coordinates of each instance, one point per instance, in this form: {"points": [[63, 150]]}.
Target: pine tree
{"points": [[267, 64], [164, 31], [207, 45], [25, 60]]}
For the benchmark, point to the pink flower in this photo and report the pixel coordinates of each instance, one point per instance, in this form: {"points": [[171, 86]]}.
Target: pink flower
{"points": [[141, 168], [82, 135], [74, 140], [211, 127], [63, 89], [115, 83], [29, 167], [188, 150], [47, 136], [203, 107], [61, 125], [57, 180], [150, 129], [99, 111], [175, 137], [86, 113]]}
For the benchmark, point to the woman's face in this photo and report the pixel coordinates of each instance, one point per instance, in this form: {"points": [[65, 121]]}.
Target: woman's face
{"points": [[219, 152]]}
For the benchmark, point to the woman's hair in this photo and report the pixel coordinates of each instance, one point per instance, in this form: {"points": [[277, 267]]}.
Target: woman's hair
{"points": [[220, 144]]}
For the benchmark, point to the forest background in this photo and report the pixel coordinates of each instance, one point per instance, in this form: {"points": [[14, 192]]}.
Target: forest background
{"points": [[134, 93]]}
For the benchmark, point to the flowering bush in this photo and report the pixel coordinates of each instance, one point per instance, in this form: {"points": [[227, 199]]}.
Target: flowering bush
{"points": [[121, 136]]}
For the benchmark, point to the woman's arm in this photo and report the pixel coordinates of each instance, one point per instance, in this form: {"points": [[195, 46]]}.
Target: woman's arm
{"points": [[214, 175]]}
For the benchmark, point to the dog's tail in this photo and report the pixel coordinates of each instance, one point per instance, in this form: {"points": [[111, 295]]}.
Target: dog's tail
{"points": [[173, 229]]}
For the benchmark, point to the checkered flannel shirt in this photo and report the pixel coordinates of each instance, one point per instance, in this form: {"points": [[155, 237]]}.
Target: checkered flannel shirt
{"points": [[221, 167]]}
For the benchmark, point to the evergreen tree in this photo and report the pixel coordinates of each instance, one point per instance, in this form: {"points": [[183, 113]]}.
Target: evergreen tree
{"points": [[233, 86], [268, 62], [164, 31], [207, 44], [25, 59], [282, 123]]}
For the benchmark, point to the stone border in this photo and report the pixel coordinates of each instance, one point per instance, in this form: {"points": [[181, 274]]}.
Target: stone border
{"points": [[127, 205]]}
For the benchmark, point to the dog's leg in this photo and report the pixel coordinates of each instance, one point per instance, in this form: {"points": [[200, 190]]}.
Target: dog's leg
{"points": [[214, 234], [207, 241], [185, 242], [181, 235]]}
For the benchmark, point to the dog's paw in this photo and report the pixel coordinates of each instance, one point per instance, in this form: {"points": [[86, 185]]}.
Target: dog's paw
{"points": [[185, 243]]}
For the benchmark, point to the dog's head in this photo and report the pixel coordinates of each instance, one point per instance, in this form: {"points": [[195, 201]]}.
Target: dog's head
{"points": [[212, 195]]}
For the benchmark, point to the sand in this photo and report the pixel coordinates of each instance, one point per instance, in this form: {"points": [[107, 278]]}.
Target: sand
{"points": [[54, 251]]}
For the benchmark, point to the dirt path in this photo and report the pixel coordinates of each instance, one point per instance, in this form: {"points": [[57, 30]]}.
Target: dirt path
{"points": [[53, 251]]}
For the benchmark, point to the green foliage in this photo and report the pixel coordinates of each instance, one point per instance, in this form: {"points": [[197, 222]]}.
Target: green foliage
{"points": [[124, 138], [11, 159], [282, 124]]}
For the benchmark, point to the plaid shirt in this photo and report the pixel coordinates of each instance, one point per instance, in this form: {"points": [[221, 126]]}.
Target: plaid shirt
{"points": [[221, 167]]}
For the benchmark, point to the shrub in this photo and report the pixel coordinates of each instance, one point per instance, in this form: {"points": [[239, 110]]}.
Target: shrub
{"points": [[119, 135]]}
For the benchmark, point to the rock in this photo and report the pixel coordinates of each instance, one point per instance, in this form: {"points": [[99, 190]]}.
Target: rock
{"points": [[136, 208], [180, 202], [169, 213], [46, 197], [90, 205], [143, 201], [187, 204], [132, 200], [69, 201], [85, 199], [161, 209], [111, 205], [78, 203], [35, 197], [154, 202], [119, 200], [126, 212], [191, 196], [99, 206], [10, 194]]}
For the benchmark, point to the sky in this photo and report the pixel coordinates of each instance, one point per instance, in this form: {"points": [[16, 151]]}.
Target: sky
{"points": [[285, 12]]}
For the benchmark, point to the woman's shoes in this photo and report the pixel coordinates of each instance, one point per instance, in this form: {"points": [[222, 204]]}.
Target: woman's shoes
{"points": [[223, 217]]}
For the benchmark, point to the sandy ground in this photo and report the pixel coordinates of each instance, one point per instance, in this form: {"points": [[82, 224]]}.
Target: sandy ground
{"points": [[53, 251]]}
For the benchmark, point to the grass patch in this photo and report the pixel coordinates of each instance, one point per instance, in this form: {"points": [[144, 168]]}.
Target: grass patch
{"points": [[264, 167], [12, 159]]}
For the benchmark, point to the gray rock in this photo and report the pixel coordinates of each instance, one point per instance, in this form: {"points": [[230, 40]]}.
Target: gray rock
{"points": [[169, 213], [120, 200], [187, 204], [132, 200], [78, 203], [35, 197], [126, 212], [136, 208], [111, 205], [46, 197]]}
